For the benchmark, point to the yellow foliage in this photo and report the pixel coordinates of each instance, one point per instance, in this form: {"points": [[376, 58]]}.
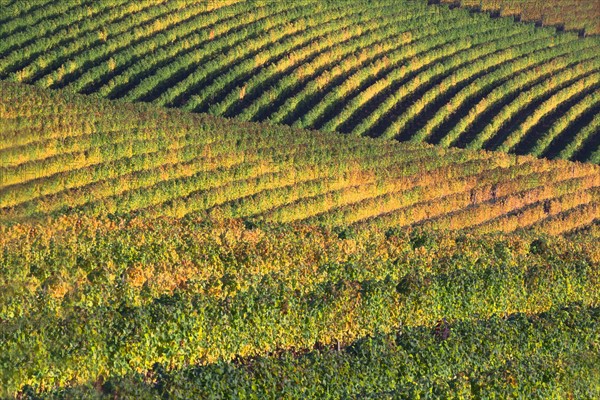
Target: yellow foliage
{"points": [[102, 35], [136, 275], [57, 287]]}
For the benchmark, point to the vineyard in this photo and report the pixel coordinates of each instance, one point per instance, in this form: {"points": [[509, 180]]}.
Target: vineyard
{"points": [[378, 68], [96, 157], [360, 371], [98, 303], [149, 252], [567, 14], [317, 199]]}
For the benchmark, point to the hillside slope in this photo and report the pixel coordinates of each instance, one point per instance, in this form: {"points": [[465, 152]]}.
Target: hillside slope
{"points": [[175, 305], [418, 362], [390, 68], [582, 15], [63, 153], [148, 252]]}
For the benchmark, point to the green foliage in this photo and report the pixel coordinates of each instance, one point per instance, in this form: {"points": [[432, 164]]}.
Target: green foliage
{"points": [[148, 252], [550, 355], [390, 68], [101, 158], [84, 298]]}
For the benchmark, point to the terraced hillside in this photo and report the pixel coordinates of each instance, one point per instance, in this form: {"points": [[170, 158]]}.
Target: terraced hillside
{"points": [[381, 68], [62, 153], [583, 15]]}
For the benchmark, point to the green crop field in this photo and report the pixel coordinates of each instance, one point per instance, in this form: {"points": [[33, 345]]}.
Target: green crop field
{"points": [[139, 242], [96, 304], [396, 69], [317, 199], [82, 155]]}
